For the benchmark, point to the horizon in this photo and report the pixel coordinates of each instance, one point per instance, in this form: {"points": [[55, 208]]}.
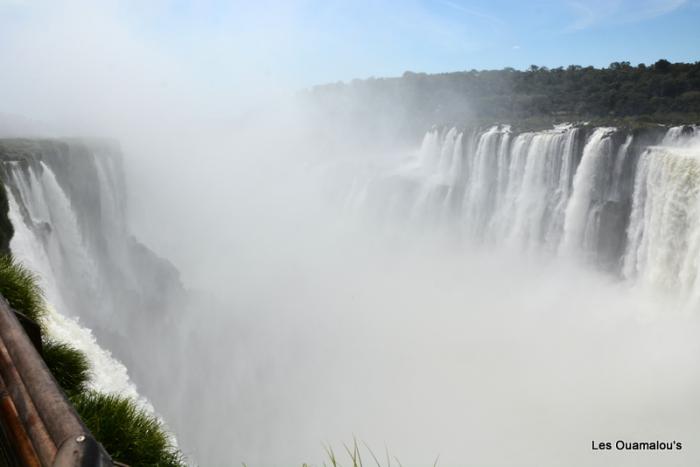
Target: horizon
{"points": [[219, 58]]}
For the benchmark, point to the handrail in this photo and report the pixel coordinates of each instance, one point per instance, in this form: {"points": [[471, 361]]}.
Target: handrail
{"points": [[42, 425]]}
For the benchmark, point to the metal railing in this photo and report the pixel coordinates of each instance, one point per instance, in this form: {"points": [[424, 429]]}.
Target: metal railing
{"points": [[38, 425]]}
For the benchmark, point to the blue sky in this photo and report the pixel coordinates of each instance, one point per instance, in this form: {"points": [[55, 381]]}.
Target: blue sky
{"points": [[317, 41], [320, 41], [85, 51], [387, 38]]}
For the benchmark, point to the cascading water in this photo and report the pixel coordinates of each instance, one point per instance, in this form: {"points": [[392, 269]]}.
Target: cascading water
{"points": [[581, 217], [603, 195], [663, 241], [36, 248], [626, 202], [71, 231]]}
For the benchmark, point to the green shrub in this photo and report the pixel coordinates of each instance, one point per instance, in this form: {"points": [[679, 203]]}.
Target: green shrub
{"points": [[128, 433], [68, 365], [20, 288]]}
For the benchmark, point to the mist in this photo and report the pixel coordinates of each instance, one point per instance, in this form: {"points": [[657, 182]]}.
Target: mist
{"points": [[313, 316], [330, 323]]}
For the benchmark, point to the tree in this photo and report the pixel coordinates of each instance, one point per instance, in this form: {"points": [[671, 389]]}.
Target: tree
{"points": [[663, 66]]}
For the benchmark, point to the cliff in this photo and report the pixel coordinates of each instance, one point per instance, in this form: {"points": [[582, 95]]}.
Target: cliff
{"points": [[65, 217]]}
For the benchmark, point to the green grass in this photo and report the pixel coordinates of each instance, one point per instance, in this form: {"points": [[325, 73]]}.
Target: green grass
{"points": [[129, 434], [351, 456], [20, 288], [354, 457], [69, 366]]}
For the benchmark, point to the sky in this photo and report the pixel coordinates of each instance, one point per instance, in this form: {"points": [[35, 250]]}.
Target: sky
{"points": [[210, 53]]}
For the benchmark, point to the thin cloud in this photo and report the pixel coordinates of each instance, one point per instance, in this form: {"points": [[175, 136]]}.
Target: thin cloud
{"points": [[470, 12], [592, 13]]}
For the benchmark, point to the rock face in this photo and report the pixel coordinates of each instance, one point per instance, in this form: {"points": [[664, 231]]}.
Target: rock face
{"points": [[67, 201], [6, 229]]}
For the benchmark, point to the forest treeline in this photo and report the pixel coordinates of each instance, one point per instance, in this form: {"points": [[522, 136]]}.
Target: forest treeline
{"points": [[663, 92]]}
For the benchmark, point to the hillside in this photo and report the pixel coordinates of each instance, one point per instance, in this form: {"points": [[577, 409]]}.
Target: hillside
{"points": [[664, 92]]}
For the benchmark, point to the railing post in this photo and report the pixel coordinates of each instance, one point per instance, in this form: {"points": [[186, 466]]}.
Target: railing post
{"points": [[54, 435]]}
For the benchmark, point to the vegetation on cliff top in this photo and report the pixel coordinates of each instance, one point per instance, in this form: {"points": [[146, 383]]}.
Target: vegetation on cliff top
{"points": [[69, 366], [660, 93], [128, 433], [19, 287]]}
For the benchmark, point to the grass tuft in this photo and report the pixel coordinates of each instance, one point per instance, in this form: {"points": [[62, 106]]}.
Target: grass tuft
{"points": [[128, 433], [68, 365], [20, 288], [354, 456]]}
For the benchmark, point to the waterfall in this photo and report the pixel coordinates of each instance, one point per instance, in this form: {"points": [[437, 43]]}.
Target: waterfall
{"points": [[37, 249], [66, 204], [664, 233], [581, 216], [627, 203], [541, 176]]}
